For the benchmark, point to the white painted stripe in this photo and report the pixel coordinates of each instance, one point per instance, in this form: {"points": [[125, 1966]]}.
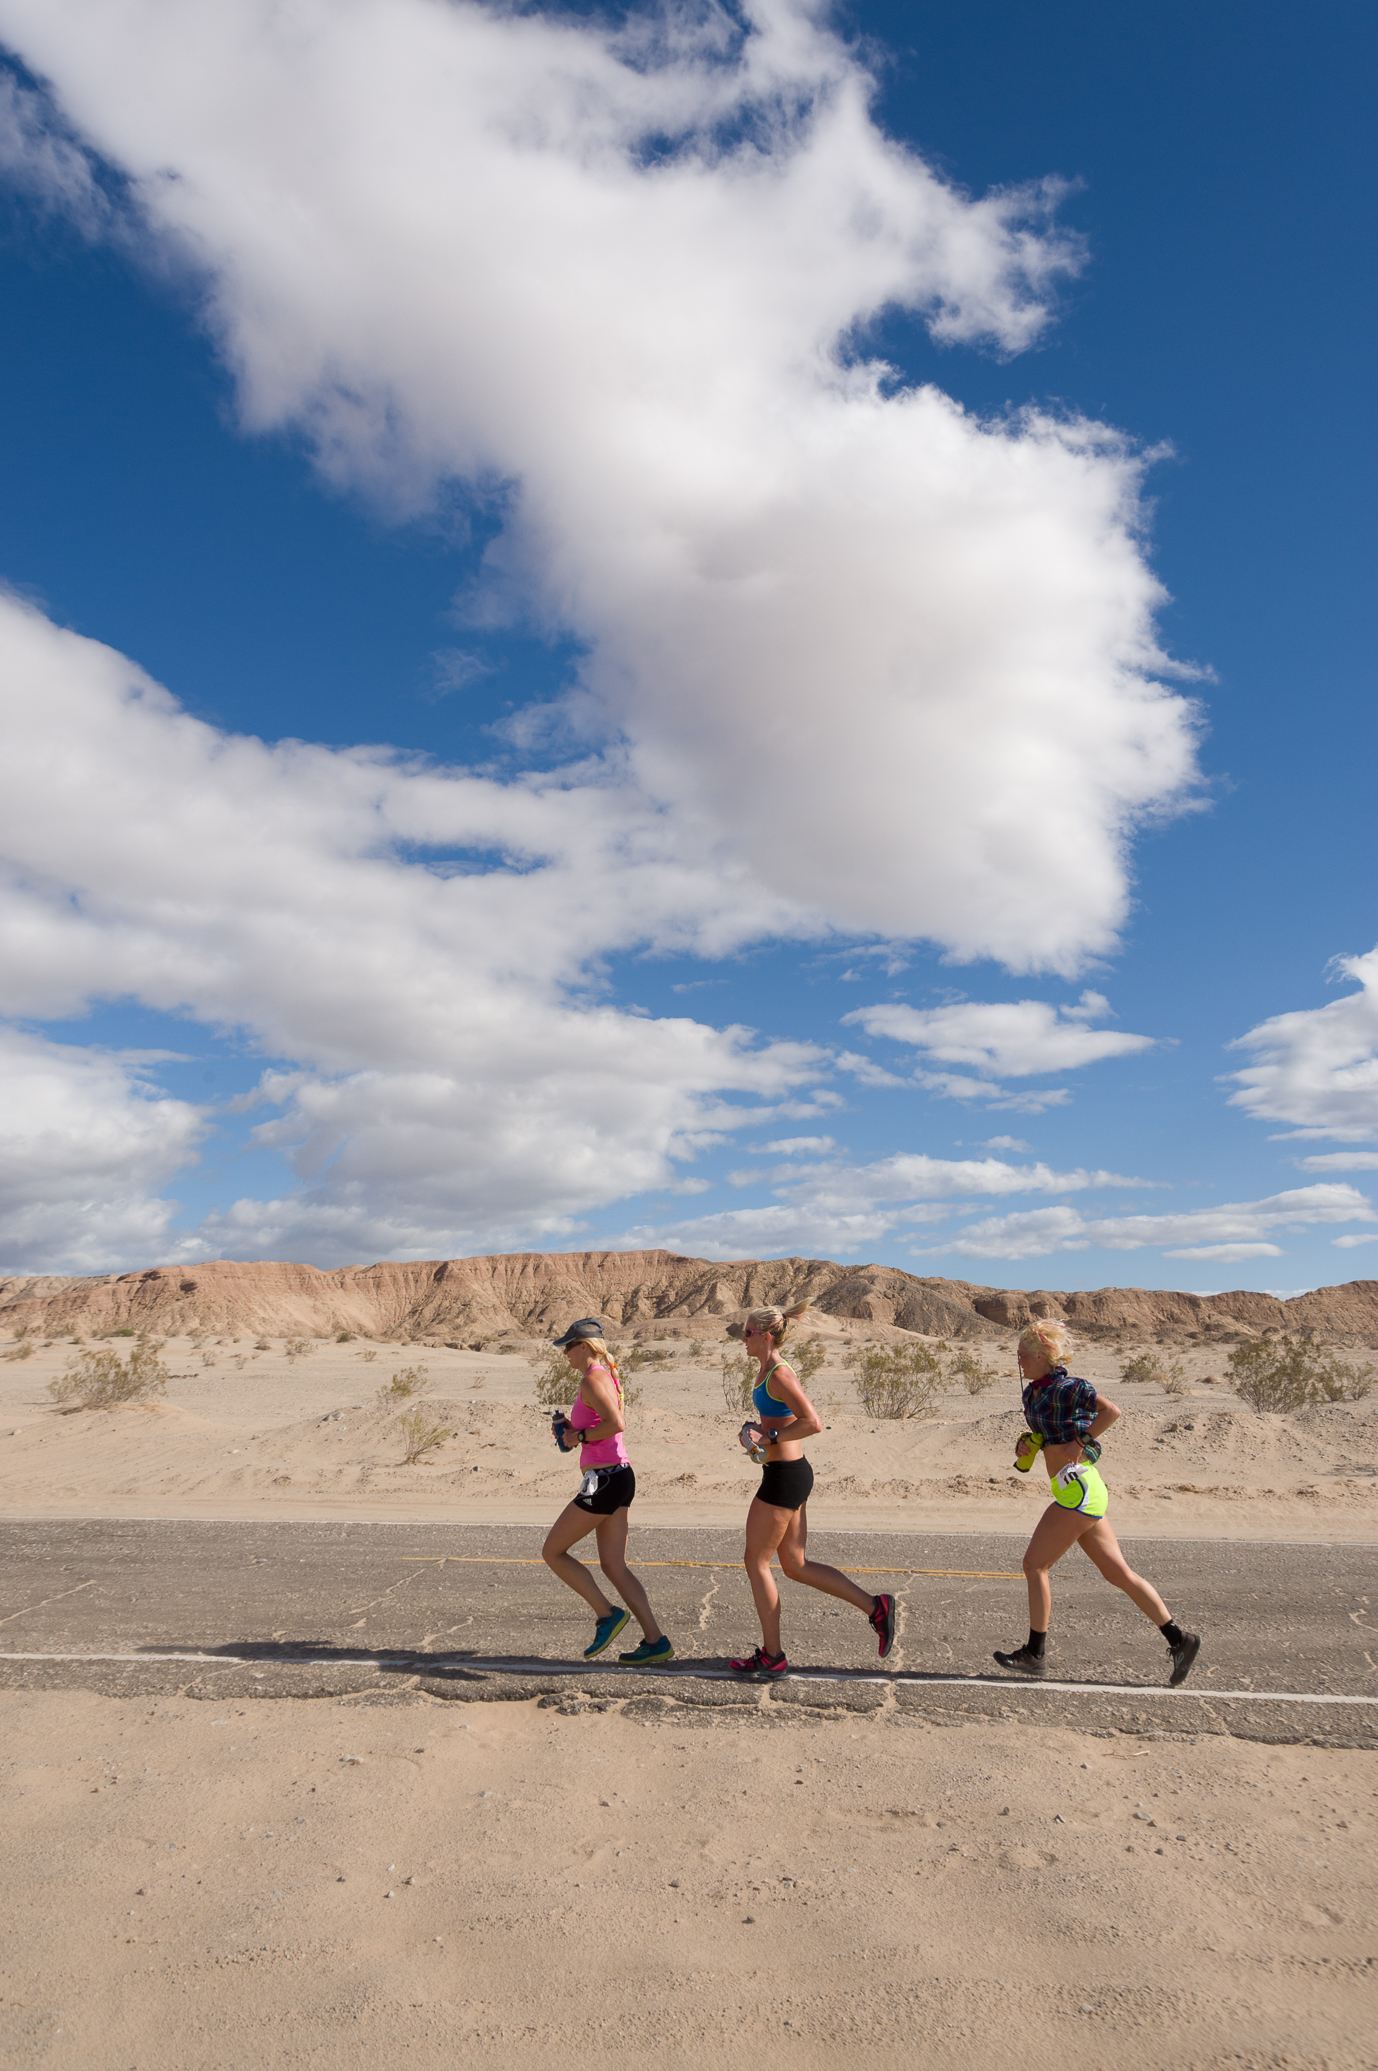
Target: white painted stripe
{"points": [[677, 1669]]}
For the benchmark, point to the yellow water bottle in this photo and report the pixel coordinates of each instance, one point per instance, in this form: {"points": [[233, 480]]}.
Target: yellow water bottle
{"points": [[1027, 1451]]}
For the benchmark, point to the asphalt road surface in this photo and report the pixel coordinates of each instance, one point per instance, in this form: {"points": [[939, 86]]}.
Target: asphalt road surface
{"points": [[376, 1610]]}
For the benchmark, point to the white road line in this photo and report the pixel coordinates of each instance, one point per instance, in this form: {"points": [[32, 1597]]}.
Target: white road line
{"points": [[681, 1671]]}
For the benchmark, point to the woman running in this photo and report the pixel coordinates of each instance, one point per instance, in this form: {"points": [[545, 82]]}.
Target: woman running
{"points": [[777, 1521], [1066, 1417], [604, 1499]]}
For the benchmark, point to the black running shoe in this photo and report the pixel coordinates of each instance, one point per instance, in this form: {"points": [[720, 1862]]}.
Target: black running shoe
{"points": [[883, 1623], [1183, 1655], [1024, 1661]]}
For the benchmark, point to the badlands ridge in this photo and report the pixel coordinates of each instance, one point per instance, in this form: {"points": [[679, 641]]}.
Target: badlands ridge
{"points": [[533, 1294]]}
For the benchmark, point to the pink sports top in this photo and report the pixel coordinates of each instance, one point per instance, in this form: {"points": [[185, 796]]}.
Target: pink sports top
{"points": [[607, 1452]]}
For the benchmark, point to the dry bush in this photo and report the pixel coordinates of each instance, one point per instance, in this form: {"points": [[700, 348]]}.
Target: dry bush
{"points": [[98, 1380], [1145, 1367], [1174, 1378], [22, 1348], [967, 1368], [896, 1380], [738, 1379], [406, 1382], [344, 1337], [556, 1382], [298, 1348], [807, 1359], [1282, 1375], [420, 1436], [371, 1354], [262, 1345]]}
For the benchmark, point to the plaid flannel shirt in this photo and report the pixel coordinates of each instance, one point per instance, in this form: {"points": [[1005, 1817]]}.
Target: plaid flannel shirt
{"points": [[1060, 1408]]}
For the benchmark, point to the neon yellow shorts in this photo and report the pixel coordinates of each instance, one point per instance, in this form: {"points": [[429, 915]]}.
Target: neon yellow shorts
{"points": [[1080, 1488]]}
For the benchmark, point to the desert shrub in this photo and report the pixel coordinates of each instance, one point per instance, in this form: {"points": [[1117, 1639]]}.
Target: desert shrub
{"points": [[738, 1379], [406, 1382], [1145, 1367], [556, 1382], [806, 1359], [696, 1348], [1174, 1378], [367, 1356], [344, 1337], [98, 1380], [1282, 1375], [896, 1380], [420, 1436], [22, 1348], [297, 1348], [262, 1345], [965, 1367]]}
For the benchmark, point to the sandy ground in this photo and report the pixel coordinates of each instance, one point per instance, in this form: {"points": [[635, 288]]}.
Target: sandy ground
{"points": [[404, 1881], [247, 1433]]}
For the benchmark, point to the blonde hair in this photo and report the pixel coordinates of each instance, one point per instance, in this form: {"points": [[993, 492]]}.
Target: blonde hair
{"points": [[1050, 1336], [604, 1357], [776, 1321]]}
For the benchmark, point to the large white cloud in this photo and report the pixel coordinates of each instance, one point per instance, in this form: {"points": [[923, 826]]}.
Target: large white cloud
{"points": [[618, 274], [416, 939], [843, 1209], [1236, 1229], [1318, 1067], [86, 1141], [1001, 1039]]}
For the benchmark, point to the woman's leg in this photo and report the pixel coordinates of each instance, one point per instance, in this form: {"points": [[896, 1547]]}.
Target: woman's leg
{"points": [[612, 1559], [1056, 1532], [570, 1526], [766, 1525], [1103, 1548], [816, 1574]]}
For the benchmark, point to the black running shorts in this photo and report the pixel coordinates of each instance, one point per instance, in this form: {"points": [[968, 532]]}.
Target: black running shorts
{"points": [[616, 1494], [786, 1483]]}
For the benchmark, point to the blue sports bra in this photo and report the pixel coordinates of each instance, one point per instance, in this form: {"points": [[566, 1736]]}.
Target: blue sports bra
{"points": [[768, 1405]]}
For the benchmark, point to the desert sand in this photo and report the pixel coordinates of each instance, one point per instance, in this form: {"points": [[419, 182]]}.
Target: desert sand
{"points": [[216, 1883], [408, 1881], [243, 1432]]}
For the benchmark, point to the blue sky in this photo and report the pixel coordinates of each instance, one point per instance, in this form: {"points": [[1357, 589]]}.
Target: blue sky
{"points": [[743, 719]]}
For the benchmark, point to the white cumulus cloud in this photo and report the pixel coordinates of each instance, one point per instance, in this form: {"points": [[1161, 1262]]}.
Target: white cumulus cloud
{"points": [[86, 1141], [1318, 1067], [1034, 1233], [840, 1209], [416, 940], [615, 277]]}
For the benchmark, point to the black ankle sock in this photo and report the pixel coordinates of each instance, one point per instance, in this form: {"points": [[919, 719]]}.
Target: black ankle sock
{"points": [[1172, 1633], [1034, 1644]]}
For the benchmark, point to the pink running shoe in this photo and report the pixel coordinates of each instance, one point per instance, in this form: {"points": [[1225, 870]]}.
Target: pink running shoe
{"points": [[883, 1623], [760, 1663]]}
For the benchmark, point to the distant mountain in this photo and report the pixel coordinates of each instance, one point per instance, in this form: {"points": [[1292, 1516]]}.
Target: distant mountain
{"points": [[533, 1294]]}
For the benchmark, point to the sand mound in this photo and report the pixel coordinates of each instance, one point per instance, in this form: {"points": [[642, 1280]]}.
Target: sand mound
{"points": [[531, 1294]]}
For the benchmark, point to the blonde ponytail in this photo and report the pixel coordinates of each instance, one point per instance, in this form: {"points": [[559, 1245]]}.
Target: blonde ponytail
{"points": [[776, 1321]]}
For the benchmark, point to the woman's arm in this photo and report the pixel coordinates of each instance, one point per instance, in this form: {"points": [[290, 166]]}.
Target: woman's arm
{"points": [[784, 1386], [1106, 1415], [599, 1393]]}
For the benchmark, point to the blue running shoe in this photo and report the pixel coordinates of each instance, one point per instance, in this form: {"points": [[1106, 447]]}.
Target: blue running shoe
{"points": [[649, 1653], [606, 1631]]}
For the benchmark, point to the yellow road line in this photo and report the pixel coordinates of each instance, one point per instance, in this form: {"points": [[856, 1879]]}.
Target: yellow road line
{"points": [[477, 1560]]}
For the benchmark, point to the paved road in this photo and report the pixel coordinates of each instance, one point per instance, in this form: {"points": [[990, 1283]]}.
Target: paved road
{"points": [[469, 1610]]}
